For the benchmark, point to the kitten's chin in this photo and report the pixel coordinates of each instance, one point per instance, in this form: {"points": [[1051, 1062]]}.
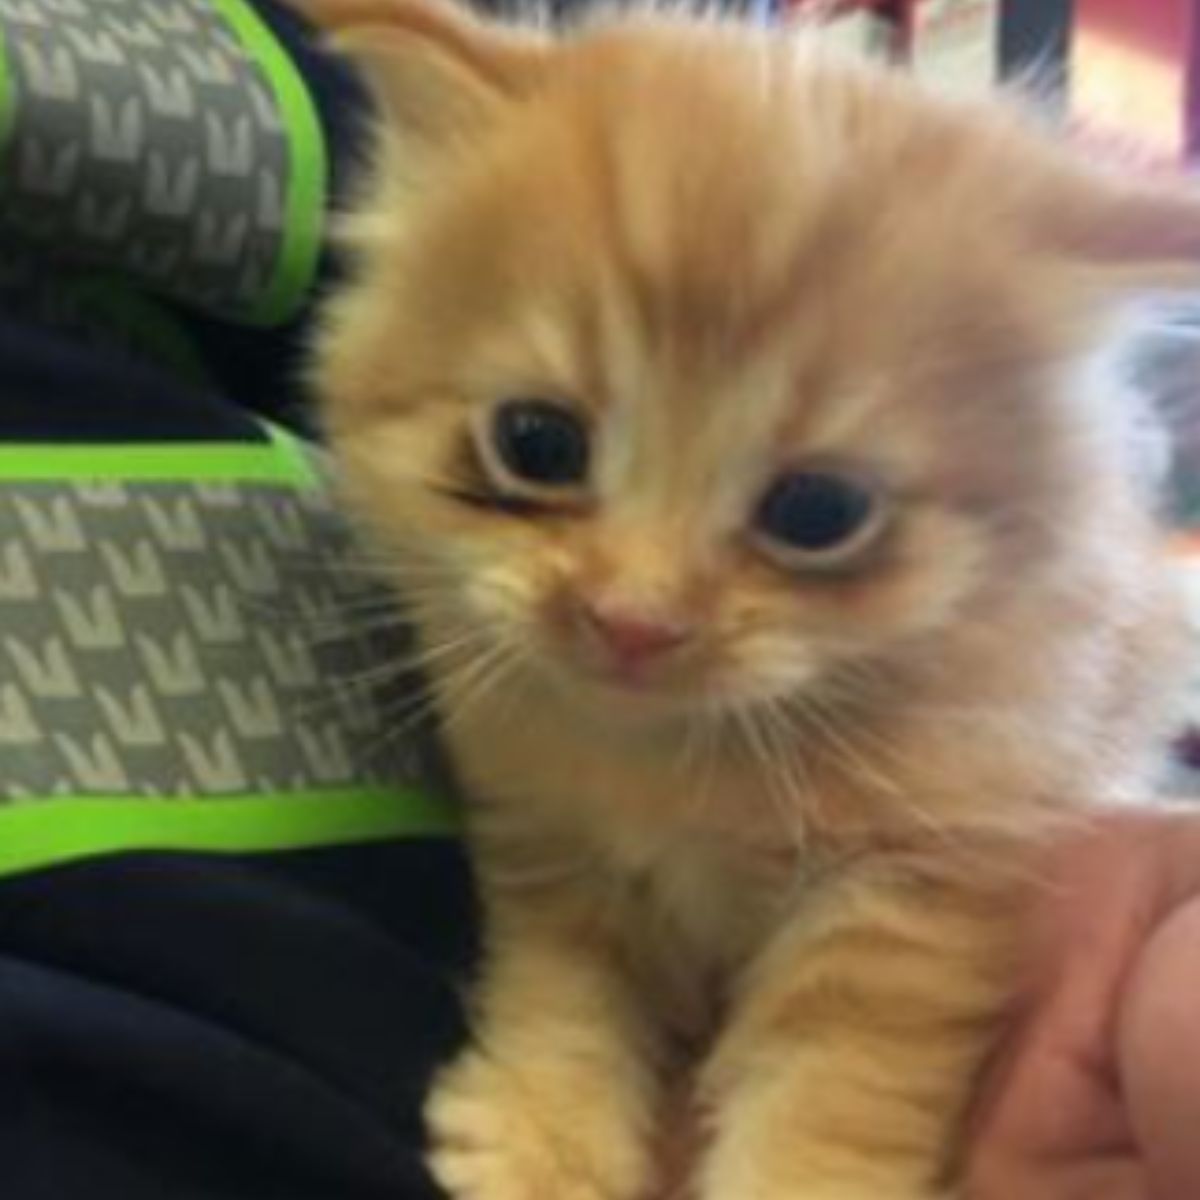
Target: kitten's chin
{"points": [[608, 693], [616, 697]]}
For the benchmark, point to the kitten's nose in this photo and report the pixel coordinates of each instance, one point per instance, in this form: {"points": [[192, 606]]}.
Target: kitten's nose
{"points": [[634, 638]]}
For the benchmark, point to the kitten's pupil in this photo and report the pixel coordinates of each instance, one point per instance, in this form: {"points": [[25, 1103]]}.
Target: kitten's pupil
{"points": [[541, 442], [815, 512]]}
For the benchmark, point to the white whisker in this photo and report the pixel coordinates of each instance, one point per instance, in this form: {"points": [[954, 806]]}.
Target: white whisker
{"points": [[760, 747]]}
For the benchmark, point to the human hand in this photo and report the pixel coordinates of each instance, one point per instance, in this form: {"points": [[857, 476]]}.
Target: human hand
{"points": [[1097, 1096]]}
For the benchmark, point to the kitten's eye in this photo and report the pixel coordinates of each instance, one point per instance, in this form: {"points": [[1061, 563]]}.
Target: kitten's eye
{"points": [[539, 442], [816, 518]]}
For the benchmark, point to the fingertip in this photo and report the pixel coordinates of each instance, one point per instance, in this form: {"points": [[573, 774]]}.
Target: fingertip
{"points": [[1159, 1054]]}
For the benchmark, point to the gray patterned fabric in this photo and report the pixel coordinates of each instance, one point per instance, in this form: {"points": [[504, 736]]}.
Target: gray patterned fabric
{"points": [[145, 136], [191, 639]]}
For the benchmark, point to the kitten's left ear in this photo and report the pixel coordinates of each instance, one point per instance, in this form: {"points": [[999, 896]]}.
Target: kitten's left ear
{"points": [[1145, 232], [437, 70]]}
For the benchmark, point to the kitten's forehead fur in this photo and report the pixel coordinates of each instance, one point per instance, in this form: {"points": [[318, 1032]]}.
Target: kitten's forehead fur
{"points": [[690, 221], [718, 178]]}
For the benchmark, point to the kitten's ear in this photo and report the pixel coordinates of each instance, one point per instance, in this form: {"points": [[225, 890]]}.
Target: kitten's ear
{"points": [[438, 71], [1145, 232]]}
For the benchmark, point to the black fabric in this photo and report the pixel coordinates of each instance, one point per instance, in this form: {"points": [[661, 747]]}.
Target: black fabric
{"points": [[184, 1027], [59, 390]]}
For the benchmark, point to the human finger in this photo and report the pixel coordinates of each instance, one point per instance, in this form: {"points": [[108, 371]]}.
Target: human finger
{"points": [[1159, 1054]]}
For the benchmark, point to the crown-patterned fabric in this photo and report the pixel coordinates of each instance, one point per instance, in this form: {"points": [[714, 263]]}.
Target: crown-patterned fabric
{"points": [[171, 140], [183, 612]]}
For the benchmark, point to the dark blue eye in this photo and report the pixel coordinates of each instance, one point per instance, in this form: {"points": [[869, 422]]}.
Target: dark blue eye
{"points": [[540, 442], [818, 516]]}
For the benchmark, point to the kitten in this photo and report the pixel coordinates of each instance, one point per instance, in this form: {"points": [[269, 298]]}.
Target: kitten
{"points": [[736, 418]]}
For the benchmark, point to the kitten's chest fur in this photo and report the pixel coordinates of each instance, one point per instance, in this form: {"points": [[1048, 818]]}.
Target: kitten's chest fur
{"points": [[689, 899], [690, 917]]}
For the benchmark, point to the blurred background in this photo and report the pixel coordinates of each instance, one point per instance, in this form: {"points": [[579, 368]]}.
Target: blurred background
{"points": [[1124, 69]]}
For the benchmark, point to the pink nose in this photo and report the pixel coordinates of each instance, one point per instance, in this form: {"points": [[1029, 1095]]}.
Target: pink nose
{"points": [[634, 638]]}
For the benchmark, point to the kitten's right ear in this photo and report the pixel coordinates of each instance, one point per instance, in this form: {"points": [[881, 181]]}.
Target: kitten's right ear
{"points": [[438, 71]]}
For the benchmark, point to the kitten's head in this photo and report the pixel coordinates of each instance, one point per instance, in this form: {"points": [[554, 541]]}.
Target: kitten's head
{"points": [[687, 362]]}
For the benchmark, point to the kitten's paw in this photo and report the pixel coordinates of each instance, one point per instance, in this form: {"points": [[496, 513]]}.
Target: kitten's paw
{"points": [[499, 1133]]}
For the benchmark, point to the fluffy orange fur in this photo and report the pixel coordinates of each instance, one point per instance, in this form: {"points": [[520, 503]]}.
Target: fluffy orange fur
{"points": [[792, 854]]}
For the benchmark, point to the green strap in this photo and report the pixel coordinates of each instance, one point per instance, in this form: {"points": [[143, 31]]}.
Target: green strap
{"points": [[44, 833], [305, 204], [282, 460]]}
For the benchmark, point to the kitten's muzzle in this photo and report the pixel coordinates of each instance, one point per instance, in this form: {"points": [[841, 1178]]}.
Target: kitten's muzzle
{"points": [[631, 641]]}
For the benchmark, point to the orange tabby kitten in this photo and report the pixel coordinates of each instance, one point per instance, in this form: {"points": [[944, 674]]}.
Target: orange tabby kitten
{"points": [[736, 419]]}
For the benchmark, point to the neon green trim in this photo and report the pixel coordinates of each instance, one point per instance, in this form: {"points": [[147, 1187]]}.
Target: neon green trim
{"points": [[282, 461], [6, 94], [305, 204], [295, 456], [43, 833]]}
